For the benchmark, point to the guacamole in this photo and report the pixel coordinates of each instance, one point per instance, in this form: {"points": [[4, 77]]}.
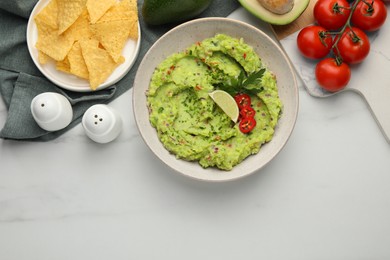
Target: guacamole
{"points": [[189, 123]]}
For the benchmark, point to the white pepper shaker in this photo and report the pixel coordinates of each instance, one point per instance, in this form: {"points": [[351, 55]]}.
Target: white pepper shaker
{"points": [[102, 123], [51, 111]]}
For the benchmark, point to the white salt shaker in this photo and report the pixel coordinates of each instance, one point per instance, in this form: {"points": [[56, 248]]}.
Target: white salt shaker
{"points": [[102, 123], [51, 111]]}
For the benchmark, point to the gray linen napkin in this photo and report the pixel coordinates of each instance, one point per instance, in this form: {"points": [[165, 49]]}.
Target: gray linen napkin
{"points": [[21, 81]]}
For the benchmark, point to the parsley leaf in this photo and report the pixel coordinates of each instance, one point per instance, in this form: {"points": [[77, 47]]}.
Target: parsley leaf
{"points": [[245, 84]]}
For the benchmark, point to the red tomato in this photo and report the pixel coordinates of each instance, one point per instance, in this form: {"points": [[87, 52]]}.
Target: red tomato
{"points": [[331, 14], [370, 15], [332, 76], [242, 100], [353, 45], [247, 111], [247, 124], [313, 42]]}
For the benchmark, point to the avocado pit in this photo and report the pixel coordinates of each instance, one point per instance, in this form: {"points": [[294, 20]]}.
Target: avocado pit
{"points": [[278, 6]]}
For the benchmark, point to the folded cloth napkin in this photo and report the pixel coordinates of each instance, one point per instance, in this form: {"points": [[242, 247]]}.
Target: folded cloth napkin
{"points": [[21, 81]]}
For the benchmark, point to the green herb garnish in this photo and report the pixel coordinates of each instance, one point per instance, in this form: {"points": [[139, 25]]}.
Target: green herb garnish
{"points": [[245, 84]]}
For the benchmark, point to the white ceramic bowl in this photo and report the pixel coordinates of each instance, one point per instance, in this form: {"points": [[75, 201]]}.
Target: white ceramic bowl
{"points": [[185, 35]]}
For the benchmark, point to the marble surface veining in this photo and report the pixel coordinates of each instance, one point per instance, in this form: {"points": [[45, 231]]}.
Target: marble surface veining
{"points": [[325, 196]]}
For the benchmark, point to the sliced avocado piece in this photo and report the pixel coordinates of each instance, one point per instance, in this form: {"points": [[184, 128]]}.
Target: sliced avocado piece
{"points": [[254, 7], [157, 12]]}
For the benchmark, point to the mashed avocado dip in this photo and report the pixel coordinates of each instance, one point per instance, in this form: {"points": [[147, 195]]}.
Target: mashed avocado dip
{"points": [[190, 124]]}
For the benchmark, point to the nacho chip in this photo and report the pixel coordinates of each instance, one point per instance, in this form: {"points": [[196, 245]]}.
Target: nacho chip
{"points": [[122, 17], [86, 37], [49, 14], [63, 65], [133, 8], [133, 33], [80, 28], [68, 12], [120, 11], [112, 35], [51, 43], [76, 62], [43, 58], [99, 62], [97, 8]]}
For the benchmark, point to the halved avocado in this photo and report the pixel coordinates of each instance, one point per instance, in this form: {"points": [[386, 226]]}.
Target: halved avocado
{"points": [[254, 7]]}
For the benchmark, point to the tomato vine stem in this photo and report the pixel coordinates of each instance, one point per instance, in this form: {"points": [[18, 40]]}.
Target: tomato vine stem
{"points": [[342, 30], [370, 7]]}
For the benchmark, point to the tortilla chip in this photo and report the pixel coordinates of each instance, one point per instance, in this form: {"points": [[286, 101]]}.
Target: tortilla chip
{"points": [[63, 65], [133, 8], [43, 58], [133, 33], [112, 35], [76, 62], [120, 11], [80, 28], [86, 37], [68, 12], [98, 61], [122, 17], [97, 8], [49, 14], [51, 43]]}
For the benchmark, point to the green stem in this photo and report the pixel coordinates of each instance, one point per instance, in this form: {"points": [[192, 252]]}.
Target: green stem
{"points": [[370, 6], [346, 25]]}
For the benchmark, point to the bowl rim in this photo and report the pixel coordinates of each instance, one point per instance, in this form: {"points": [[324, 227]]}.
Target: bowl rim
{"points": [[162, 154]]}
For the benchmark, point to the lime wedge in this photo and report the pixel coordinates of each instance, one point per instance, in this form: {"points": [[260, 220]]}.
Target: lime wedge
{"points": [[226, 102]]}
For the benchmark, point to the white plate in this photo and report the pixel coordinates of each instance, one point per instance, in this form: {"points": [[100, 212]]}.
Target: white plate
{"points": [[271, 55], [71, 82]]}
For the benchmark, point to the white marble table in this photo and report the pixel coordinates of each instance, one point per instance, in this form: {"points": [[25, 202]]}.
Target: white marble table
{"points": [[325, 196]]}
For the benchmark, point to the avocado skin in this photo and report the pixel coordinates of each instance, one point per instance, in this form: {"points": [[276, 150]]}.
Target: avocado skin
{"points": [[158, 12]]}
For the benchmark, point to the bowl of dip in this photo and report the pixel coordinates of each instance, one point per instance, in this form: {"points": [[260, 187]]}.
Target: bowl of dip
{"points": [[177, 118]]}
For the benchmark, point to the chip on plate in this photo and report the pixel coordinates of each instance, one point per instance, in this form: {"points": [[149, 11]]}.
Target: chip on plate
{"points": [[51, 43], [63, 65], [86, 38], [76, 62], [99, 62], [68, 12], [97, 8], [49, 14], [80, 28], [112, 35], [121, 10], [42, 58]]}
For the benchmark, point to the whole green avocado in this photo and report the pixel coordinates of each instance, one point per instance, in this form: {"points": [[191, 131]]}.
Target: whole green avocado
{"points": [[157, 12]]}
